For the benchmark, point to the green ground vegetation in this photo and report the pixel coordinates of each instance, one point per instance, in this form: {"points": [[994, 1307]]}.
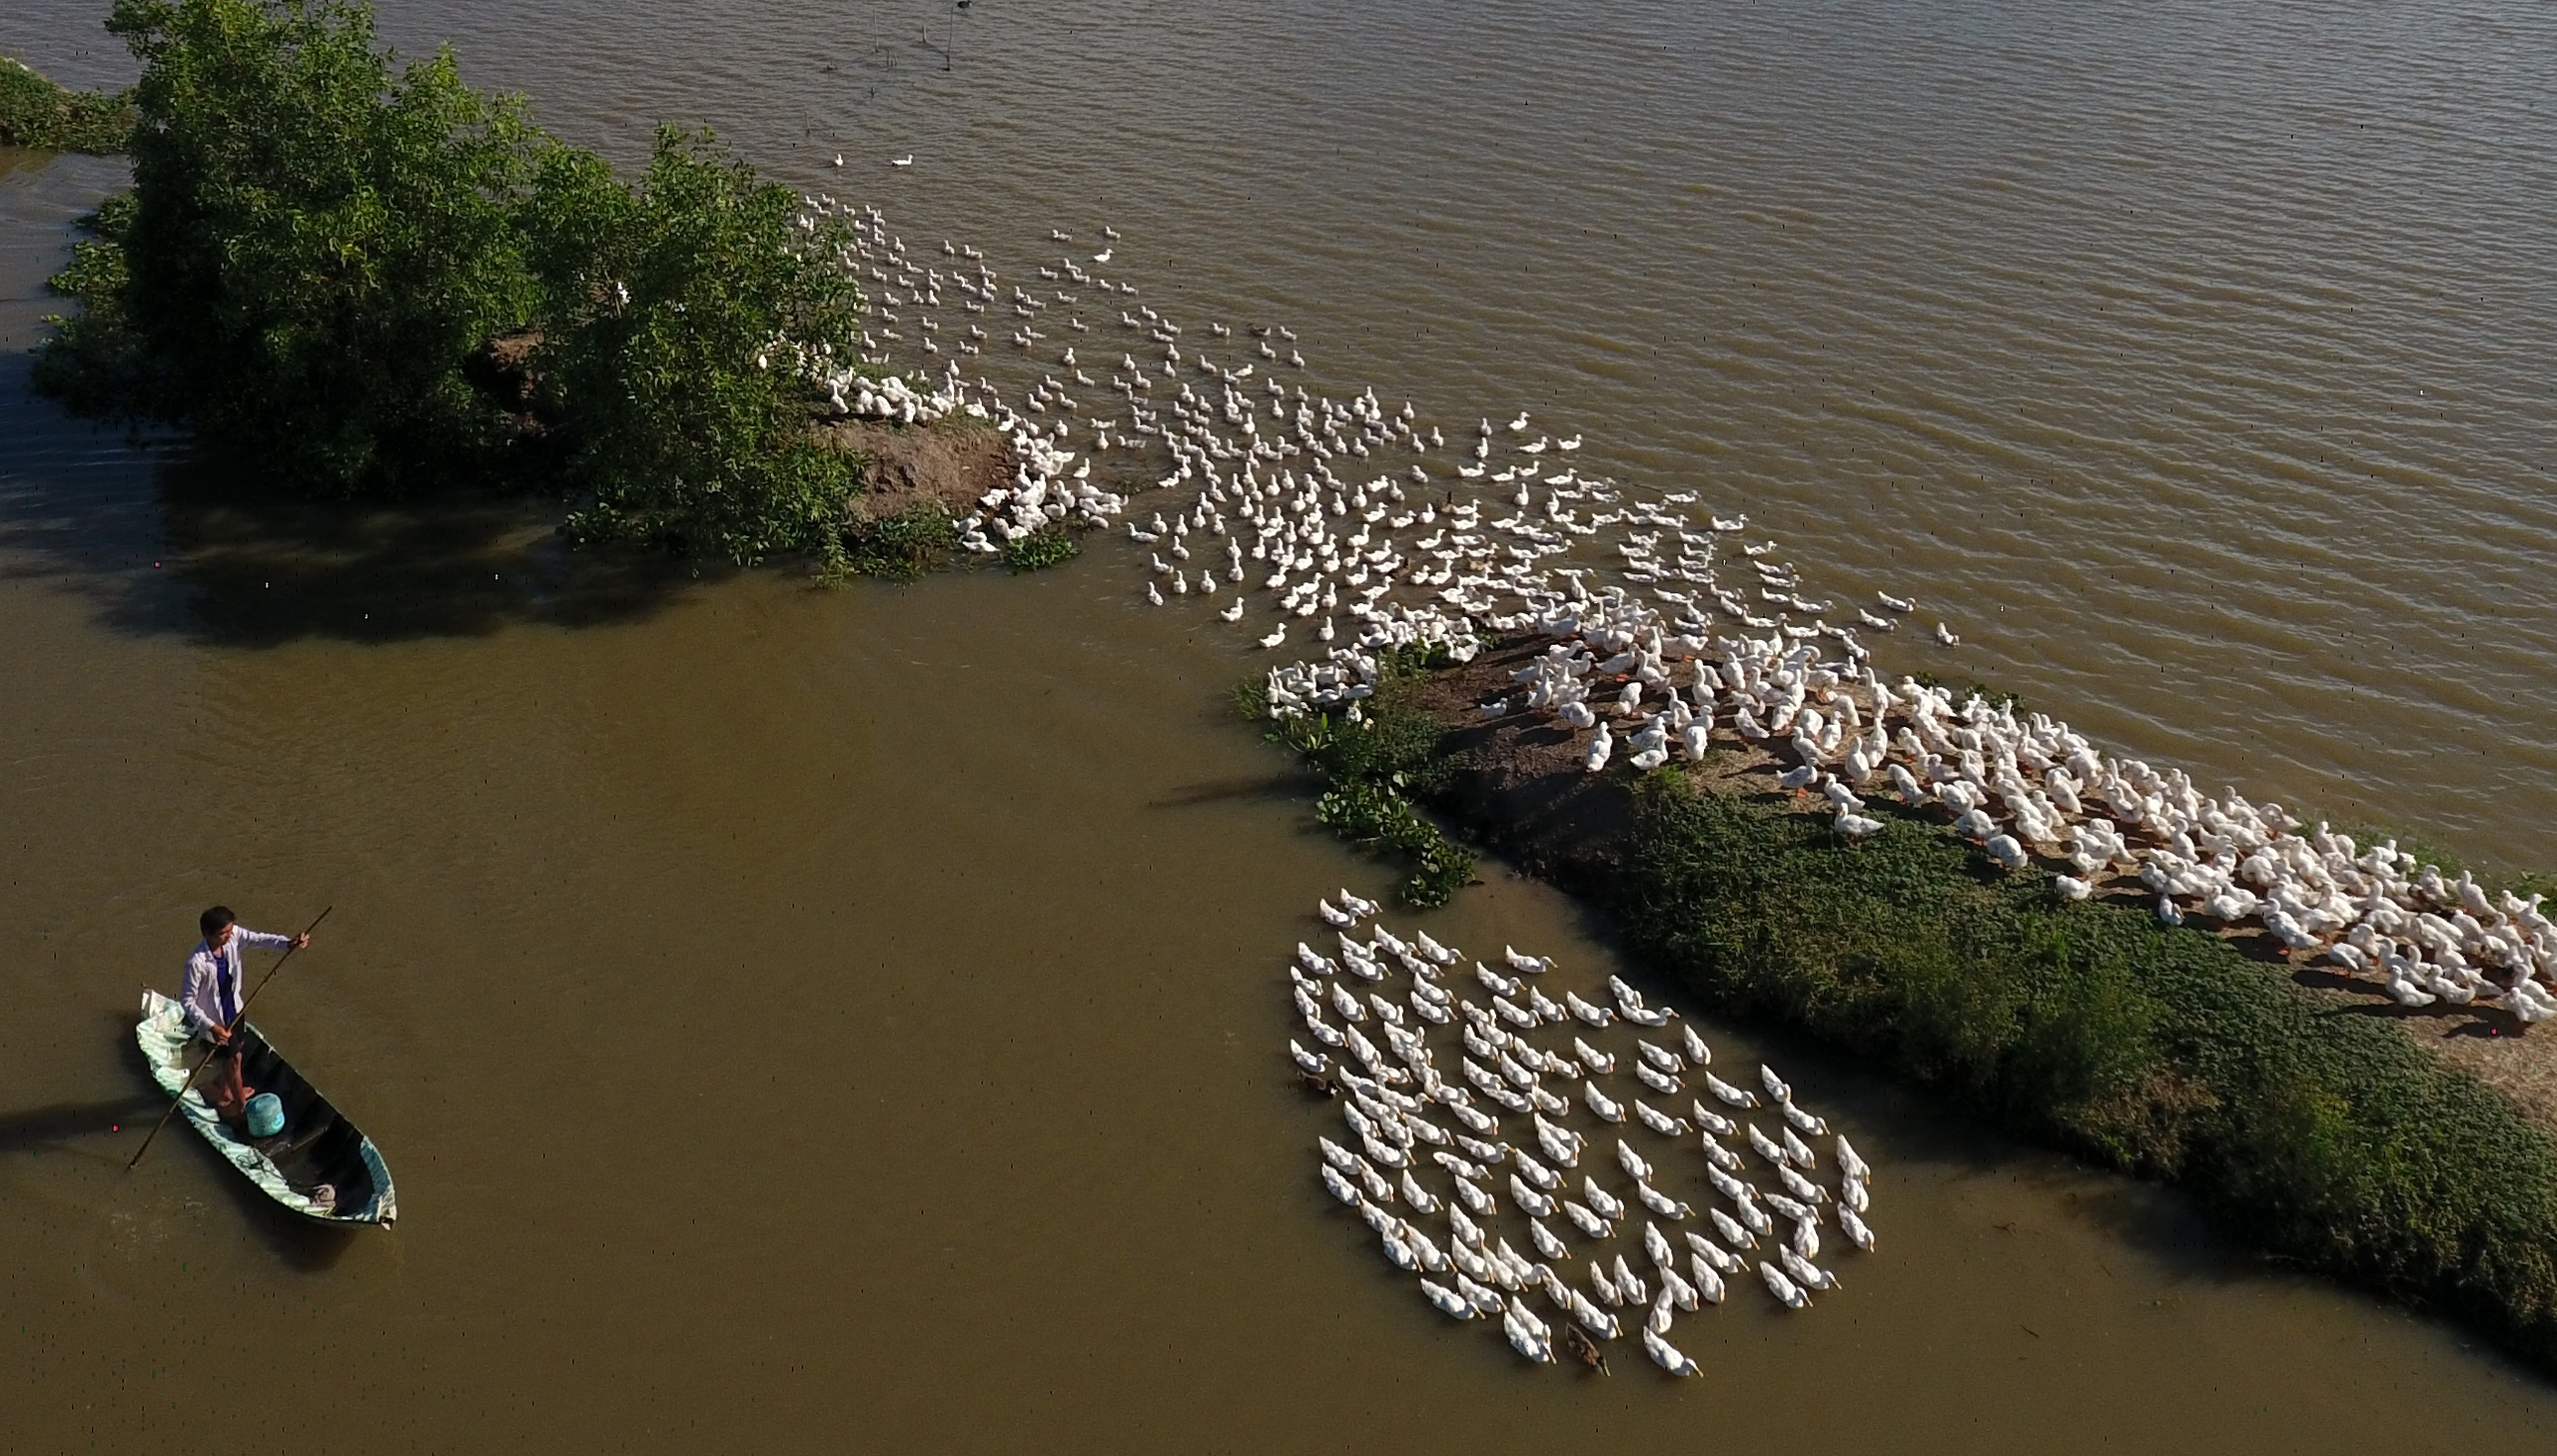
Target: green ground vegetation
{"points": [[901, 547], [2315, 1129], [1049, 545], [1373, 767], [37, 112], [321, 236], [2319, 1130]]}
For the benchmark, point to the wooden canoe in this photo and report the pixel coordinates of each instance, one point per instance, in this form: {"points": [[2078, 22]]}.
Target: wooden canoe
{"points": [[319, 1167]]}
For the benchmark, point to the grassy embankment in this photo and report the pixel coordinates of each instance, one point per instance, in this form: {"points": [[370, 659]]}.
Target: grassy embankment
{"points": [[2325, 1137], [39, 113], [912, 484]]}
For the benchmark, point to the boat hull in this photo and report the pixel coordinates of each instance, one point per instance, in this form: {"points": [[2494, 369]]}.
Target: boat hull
{"points": [[320, 1166]]}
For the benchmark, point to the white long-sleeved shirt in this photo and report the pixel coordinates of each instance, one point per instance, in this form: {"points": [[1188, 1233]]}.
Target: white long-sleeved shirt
{"points": [[213, 990]]}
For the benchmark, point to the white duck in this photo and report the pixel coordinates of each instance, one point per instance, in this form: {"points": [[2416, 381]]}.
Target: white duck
{"points": [[1601, 745], [1660, 1122], [1858, 1233], [1783, 1288], [1588, 1012], [1448, 1301], [1661, 1203], [1606, 1205], [1628, 1283], [1600, 1104], [1584, 1219], [1545, 1239], [1631, 1162], [1598, 1063], [1847, 1162], [1707, 1278], [1338, 1186], [1730, 1231], [1668, 1356], [1721, 1259], [1802, 1271], [1731, 1095], [1527, 1334]]}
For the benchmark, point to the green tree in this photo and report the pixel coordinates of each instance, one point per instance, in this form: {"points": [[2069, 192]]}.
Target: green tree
{"points": [[689, 319], [316, 242], [319, 242]]}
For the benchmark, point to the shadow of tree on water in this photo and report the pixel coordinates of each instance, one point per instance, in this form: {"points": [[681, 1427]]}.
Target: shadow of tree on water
{"points": [[262, 565], [169, 544]]}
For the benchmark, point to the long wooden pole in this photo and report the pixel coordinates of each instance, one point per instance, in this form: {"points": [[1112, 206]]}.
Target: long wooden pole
{"points": [[181, 1098]]}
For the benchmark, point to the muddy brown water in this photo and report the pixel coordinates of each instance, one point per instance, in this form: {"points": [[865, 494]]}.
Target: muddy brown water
{"points": [[815, 1018]]}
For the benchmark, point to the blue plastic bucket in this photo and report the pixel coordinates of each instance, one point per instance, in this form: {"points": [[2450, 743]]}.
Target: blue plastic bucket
{"points": [[265, 1114]]}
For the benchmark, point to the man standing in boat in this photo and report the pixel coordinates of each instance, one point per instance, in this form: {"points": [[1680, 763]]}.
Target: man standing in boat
{"points": [[212, 993]]}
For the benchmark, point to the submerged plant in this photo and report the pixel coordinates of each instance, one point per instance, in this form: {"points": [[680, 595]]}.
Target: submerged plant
{"points": [[38, 112], [1375, 757], [1040, 550], [1366, 812], [901, 547]]}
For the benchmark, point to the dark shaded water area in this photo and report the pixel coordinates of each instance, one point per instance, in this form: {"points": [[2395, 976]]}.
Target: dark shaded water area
{"points": [[813, 1018]]}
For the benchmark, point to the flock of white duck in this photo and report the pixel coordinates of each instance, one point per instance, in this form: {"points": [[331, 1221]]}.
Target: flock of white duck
{"points": [[1444, 1163], [1354, 528], [1364, 529]]}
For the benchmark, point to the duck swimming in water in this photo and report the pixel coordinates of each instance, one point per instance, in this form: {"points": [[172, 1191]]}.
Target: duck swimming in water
{"points": [[1659, 1122], [1782, 1287], [1600, 1104], [1607, 1205], [1734, 1097], [1394, 1127], [1854, 1226], [1585, 1220], [1631, 1162], [1527, 1334], [1448, 1301], [1668, 1356]]}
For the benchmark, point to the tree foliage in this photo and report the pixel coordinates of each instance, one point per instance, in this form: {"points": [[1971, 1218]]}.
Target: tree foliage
{"points": [[321, 238], [318, 240], [681, 310], [37, 112]]}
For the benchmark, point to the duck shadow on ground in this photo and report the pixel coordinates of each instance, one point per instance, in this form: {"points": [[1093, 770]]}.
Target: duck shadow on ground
{"points": [[2369, 1001], [169, 544]]}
